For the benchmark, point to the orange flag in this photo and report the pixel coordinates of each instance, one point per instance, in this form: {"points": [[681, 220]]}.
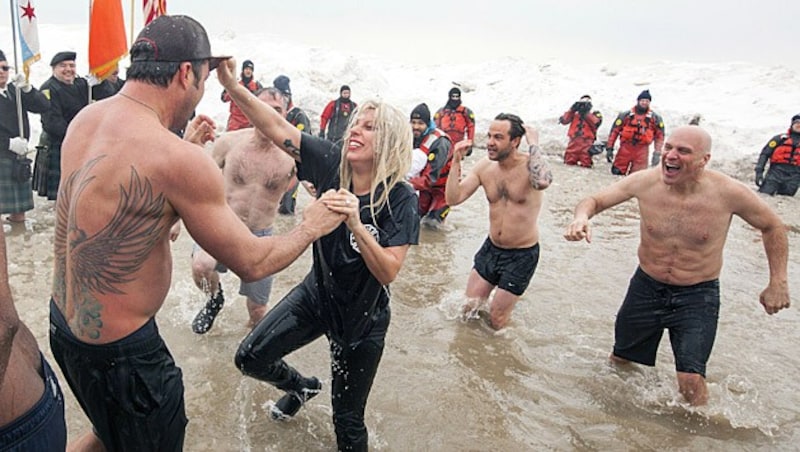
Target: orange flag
{"points": [[107, 42]]}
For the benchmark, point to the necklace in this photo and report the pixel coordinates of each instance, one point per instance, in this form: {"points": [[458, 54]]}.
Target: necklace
{"points": [[143, 104]]}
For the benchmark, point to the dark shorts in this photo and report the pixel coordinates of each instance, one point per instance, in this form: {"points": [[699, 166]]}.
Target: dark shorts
{"points": [[690, 314], [130, 389], [508, 269], [42, 427]]}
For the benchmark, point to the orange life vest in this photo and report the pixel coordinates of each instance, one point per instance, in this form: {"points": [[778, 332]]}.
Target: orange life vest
{"points": [[637, 128], [785, 151], [456, 123]]}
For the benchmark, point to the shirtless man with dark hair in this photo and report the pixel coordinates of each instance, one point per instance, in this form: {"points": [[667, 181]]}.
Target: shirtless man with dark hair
{"points": [[513, 182], [126, 179]]}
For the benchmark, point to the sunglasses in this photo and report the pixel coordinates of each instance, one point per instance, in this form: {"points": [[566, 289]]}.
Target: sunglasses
{"points": [[5, 68]]}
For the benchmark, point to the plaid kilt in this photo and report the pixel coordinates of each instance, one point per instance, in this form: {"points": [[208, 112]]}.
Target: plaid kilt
{"points": [[15, 197]]}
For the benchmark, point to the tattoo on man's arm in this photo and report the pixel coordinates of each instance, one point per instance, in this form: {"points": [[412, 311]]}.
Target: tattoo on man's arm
{"points": [[540, 174], [291, 147]]}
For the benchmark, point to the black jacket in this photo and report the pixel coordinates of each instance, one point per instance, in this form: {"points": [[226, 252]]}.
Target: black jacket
{"points": [[65, 102], [33, 101]]}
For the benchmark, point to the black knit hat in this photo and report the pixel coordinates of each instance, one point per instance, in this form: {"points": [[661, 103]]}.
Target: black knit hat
{"points": [[174, 39], [2, 56], [247, 64], [281, 82], [422, 113], [796, 118], [62, 56], [453, 91], [645, 95], [344, 88]]}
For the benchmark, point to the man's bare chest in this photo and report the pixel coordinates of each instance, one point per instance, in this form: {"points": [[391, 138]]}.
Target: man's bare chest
{"points": [[507, 186], [266, 169]]}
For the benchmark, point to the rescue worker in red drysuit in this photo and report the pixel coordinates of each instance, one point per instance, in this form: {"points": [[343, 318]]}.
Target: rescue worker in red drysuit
{"points": [[456, 120], [783, 154], [336, 116], [636, 129], [431, 182], [583, 125], [237, 120]]}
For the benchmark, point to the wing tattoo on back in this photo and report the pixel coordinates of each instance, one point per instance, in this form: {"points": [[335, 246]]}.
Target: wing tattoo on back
{"points": [[100, 263]]}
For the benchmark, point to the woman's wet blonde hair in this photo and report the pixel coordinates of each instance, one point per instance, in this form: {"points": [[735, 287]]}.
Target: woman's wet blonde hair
{"points": [[393, 146]]}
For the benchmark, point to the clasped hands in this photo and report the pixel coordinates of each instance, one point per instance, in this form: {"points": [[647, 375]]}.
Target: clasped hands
{"points": [[331, 209]]}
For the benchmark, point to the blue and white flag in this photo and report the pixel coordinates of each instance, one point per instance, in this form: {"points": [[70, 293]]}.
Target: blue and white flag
{"points": [[28, 34]]}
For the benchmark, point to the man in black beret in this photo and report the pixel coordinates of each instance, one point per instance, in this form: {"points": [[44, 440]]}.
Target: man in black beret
{"points": [[68, 94], [60, 57]]}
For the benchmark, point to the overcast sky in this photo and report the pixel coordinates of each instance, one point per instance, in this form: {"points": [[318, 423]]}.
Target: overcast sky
{"points": [[761, 31]]}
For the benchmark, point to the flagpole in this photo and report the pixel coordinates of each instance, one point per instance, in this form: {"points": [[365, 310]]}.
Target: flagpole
{"points": [[14, 26], [133, 11], [132, 21], [89, 85]]}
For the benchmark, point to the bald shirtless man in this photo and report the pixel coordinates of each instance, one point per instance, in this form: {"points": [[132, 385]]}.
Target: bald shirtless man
{"points": [[513, 182], [257, 173], [126, 179], [31, 402], [686, 211]]}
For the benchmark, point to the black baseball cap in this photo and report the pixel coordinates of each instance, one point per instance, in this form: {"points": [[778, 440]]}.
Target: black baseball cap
{"points": [[174, 39]]}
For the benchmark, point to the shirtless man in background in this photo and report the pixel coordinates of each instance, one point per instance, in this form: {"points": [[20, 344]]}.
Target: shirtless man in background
{"points": [[513, 182], [126, 179], [257, 173]]}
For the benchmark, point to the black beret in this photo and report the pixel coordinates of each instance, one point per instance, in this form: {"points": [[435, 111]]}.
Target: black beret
{"points": [[62, 56]]}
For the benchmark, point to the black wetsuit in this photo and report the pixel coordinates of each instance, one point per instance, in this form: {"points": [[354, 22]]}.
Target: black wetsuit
{"points": [[339, 298]]}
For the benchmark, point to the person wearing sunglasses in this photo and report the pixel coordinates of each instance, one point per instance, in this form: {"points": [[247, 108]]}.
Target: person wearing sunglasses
{"points": [[16, 196]]}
